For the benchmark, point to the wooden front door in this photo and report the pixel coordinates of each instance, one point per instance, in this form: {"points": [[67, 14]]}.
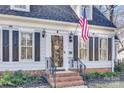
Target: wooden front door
{"points": [[57, 50]]}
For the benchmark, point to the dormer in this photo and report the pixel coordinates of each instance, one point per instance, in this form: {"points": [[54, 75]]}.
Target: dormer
{"points": [[79, 10], [25, 8]]}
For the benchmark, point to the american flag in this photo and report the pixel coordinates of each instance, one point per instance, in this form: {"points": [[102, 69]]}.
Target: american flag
{"points": [[84, 25]]}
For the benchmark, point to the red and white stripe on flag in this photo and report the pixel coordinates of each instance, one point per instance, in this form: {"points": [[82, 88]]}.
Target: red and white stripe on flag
{"points": [[85, 28]]}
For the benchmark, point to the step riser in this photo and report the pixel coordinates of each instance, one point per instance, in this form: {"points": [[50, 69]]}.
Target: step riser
{"points": [[58, 79], [68, 84], [65, 74]]}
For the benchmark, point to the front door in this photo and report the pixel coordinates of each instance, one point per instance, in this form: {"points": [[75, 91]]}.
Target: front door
{"points": [[57, 50]]}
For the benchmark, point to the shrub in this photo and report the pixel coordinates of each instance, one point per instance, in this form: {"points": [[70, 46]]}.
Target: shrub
{"points": [[6, 78], [19, 78], [96, 75], [119, 67]]}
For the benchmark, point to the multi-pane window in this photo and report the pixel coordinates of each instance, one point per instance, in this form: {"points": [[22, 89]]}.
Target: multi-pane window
{"points": [[89, 10], [83, 50], [25, 8], [26, 45], [96, 49], [103, 48]]}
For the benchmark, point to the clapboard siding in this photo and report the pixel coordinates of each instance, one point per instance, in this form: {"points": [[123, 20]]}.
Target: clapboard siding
{"points": [[43, 51], [21, 66], [70, 49]]}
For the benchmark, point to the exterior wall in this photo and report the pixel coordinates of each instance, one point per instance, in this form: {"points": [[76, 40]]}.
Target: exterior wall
{"points": [[51, 28]]}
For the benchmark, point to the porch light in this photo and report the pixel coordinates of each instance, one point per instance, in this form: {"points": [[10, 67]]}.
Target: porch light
{"points": [[43, 33], [70, 37]]}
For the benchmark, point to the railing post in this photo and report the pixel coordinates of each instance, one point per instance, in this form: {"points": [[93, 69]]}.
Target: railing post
{"points": [[77, 65]]}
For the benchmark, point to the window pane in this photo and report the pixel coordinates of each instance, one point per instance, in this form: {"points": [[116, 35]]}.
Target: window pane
{"points": [[29, 39], [23, 53], [29, 52], [83, 50], [103, 49], [23, 39]]}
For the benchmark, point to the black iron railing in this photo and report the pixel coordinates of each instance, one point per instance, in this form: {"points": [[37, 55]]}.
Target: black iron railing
{"points": [[79, 66], [51, 70]]}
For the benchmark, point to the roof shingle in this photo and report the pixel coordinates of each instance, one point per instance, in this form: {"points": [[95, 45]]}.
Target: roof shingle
{"points": [[58, 13]]}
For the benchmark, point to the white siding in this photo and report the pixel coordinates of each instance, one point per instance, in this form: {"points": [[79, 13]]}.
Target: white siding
{"points": [[43, 52], [20, 66], [32, 65]]}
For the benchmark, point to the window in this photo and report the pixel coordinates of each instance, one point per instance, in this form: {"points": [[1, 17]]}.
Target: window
{"points": [[83, 50], [88, 11], [25, 8], [103, 48], [26, 45]]}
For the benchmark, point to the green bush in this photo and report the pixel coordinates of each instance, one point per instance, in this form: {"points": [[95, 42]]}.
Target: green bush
{"points": [[6, 78], [119, 67], [96, 75], [18, 78]]}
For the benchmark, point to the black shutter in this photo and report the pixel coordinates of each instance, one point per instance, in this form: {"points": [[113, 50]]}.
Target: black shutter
{"points": [[109, 48], [5, 34], [75, 48], [15, 44], [96, 49], [37, 46], [91, 49]]}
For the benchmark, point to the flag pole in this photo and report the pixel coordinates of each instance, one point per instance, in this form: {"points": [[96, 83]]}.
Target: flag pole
{"points": [[76, 28]]}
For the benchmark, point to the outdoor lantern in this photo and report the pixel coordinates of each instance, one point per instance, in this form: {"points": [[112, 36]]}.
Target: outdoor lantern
{"points": [[43, 33], [70, 37]]}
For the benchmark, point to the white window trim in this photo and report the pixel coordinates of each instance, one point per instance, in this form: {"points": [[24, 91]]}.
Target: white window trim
{"points": [[12, 7], [30, 31], [87, 47], [106, 49], [87, 60]]}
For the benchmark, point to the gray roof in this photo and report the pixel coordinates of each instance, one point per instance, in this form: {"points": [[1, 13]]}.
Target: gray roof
{"points": [[58, 13]]}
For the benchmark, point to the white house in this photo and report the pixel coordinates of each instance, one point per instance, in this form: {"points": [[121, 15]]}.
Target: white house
{"points": [[30, 35]]}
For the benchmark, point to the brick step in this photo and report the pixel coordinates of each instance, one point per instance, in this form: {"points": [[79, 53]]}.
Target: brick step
{"points": [[69, 78], [68, 84], [65, 74]]}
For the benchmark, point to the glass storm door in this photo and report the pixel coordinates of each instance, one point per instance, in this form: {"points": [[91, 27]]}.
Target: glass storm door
{"points": [[57, 50]]}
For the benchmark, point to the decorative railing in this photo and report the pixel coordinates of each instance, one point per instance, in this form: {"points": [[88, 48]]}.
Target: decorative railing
{"points": [[51, 70], [79, 66]]}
